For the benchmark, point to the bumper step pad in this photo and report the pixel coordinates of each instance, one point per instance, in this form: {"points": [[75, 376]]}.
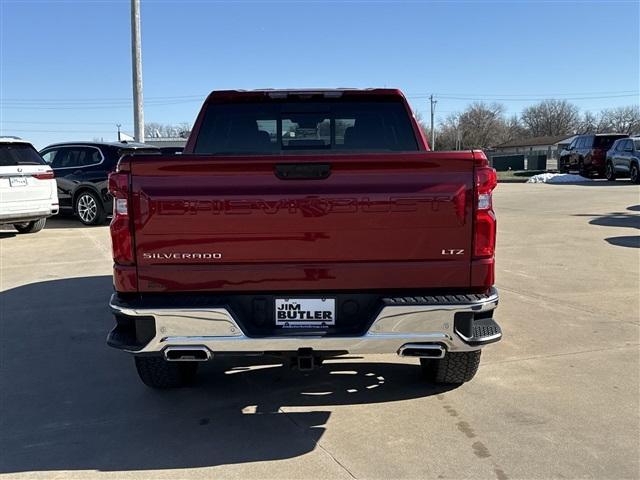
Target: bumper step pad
{"points": [[484, 331]]}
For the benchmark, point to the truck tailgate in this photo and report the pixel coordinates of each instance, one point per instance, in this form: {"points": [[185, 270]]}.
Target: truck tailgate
{"points": [[377, 221]]}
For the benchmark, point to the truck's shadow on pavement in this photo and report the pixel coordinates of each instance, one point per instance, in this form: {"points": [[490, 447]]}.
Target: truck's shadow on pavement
{"points": [[68, 402]]}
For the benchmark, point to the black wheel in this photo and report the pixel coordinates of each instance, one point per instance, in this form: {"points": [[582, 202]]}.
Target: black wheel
{"points": [[156, 372], [634, 173], [610, 172], [454, 368], [30, 227], [89, 208]]}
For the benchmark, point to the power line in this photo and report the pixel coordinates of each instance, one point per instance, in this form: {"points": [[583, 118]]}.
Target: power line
{"points": [[56, 131], [557, 94], [450, 97], [170, 100], [22, 122], [92, 107], [101, 99], [199, 100], [201, 96]]}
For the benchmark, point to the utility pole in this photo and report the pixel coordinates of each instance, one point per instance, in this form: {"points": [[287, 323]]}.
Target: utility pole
{"points": [[136, 60], [433, 111]]}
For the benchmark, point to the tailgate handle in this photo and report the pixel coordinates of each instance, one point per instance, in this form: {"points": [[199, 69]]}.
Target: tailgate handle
{"points": [[303, 171]]}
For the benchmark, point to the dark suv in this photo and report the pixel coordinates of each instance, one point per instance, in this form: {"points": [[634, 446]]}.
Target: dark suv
{"points": [[587, 153], [81, 170]]}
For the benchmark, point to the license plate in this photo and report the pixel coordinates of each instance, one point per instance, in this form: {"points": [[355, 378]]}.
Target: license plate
{"points": [[18, 181], [305, 312]]}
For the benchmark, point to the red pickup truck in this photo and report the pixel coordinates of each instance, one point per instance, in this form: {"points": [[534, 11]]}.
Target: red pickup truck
{"points": [[305, 224]]}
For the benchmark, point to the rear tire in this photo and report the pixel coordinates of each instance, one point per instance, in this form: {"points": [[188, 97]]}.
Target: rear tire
{"points": [[156, 372], [89, 208], [455, 368], [610, 172], [634, 173], [30, 227]]}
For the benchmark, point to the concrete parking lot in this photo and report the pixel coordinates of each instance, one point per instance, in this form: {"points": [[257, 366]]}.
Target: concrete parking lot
{"points": [[557, 398]]}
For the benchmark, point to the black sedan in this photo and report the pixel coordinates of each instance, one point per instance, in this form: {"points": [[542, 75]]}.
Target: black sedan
{"points": [[81, 170]]}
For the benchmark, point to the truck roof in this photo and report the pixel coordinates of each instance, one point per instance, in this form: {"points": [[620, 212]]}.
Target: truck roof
{"points": [[326, 92]]}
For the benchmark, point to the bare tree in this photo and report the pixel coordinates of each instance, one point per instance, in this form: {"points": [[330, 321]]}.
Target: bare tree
{"points": [[551, 117], [479, 126], [153, 129], [589, 123], [513, 130], [621, 119], [156, 129], [447, 132], [184, 129], [482, 125]]}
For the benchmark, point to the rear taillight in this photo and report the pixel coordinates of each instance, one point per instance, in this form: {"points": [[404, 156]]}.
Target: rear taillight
{"points": [[597, 157], [484, 229], [48, 175], [121, 237]]}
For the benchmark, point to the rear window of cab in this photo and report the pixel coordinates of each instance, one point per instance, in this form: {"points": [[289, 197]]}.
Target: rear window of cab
{"points": [[282, 127], [605, 141]]}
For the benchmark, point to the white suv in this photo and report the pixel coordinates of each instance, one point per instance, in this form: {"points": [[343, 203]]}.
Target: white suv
{"points": [[28, 191]]}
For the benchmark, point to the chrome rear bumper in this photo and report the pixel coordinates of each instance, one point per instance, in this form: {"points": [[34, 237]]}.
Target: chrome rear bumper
{"points": [[394, 327]]}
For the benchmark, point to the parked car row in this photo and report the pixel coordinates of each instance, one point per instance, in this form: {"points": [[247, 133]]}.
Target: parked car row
{"points": [[66, 177], [605, 155]]}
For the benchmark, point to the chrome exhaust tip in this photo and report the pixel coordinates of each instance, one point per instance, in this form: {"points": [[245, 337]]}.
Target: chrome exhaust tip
{"points": [[422, 350], [186, 354]]}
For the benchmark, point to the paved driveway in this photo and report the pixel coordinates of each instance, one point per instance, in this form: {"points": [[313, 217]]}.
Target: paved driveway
{"points": [[558, 397]]}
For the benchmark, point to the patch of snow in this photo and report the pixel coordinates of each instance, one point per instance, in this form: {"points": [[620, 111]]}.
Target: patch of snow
{"points": [[558, 178]]}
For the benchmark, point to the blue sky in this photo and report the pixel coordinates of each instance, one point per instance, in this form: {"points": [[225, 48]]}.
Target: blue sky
{"points": [[65, 66]]}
